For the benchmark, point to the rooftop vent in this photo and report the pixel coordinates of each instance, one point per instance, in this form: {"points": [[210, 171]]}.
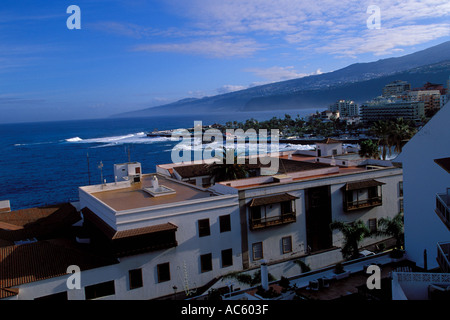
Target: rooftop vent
{"points": [[282, 178]]}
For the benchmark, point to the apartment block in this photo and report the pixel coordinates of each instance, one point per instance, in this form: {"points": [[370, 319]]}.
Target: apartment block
{"points": [[157, 235], [387, 109]]}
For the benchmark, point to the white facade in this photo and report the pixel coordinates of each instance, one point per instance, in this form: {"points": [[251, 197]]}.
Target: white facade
{"points": [[423, 180], [346, 108], [131, 171], [280, 234]]}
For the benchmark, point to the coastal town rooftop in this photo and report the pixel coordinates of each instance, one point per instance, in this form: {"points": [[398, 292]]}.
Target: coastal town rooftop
{"points": [[125, 195], [300, 167]]}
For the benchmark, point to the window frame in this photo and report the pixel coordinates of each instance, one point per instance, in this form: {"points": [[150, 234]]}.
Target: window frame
{"points": [[204, 230], [206, 265], [283, 247], [224, 259], [160, 272], [133, 282], [255, 245], [225, 223]]}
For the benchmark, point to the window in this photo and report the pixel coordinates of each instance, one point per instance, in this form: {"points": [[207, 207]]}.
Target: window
{"points": [[372, 224], [400, 189], [257, 249], [255, 213], [286, 207], [203, 228], [225, 223], [286, 243], [206, 262], [100, 290], [401, 205], [135, 277], [163, 272], [227, 258]]}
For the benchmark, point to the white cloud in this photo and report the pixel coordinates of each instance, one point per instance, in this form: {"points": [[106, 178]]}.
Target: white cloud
{"points": [[275, 74], [386, 41], [320, 24], [230, 88], [218, 48], [237, 28]]}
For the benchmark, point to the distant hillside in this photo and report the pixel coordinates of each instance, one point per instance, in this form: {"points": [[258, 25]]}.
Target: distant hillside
{"points": [[359, 82]]}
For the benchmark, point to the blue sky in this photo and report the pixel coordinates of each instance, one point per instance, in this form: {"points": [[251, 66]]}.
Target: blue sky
{"points": [[133, 54]]}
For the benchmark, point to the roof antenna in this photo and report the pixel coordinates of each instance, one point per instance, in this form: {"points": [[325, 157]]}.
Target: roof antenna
{"points": [[89, 172]]}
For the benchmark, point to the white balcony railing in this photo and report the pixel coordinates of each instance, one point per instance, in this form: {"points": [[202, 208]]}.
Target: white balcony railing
{"points": [[443, 256], [443, 207]]}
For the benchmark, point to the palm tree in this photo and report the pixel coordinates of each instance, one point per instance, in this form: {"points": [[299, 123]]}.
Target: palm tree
{"points": [[353, 234], [392, 227], [369, 149], [224, 171], [381, 131], [399, 131]]}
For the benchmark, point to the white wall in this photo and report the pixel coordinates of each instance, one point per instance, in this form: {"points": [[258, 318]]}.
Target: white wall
{"points": [[271, 237], [184, 259], [423, 179]]}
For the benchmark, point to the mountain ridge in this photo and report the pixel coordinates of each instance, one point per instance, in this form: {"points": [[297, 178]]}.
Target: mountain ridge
{"points": [[358, 82]]}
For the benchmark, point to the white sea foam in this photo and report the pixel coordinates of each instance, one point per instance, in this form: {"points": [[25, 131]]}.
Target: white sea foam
{"points": [[139, 137], [76, 139]]}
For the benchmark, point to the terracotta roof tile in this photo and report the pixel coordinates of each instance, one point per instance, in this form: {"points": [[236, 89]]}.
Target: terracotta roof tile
{"points": [[41, 260], [36, 222], [362, 184], [256, 202]]}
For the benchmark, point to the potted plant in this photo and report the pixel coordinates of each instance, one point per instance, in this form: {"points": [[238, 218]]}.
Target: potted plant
{"points": [[397, 254], [339, 271], [284, 284]]}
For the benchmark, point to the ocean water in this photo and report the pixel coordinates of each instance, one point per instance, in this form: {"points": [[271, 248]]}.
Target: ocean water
{"points": [[45, 163]]}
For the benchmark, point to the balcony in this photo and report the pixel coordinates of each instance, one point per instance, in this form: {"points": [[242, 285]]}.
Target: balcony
{"points": [[443, 252], [361, 204], [443, 207], [260, 223], [362, 194], [272, 211]]}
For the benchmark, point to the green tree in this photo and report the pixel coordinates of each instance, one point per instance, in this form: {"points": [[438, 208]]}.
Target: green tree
{"points": [[244, 278], [392, 227], [381, 130], [223, 171], [399, 132], [353, 234], [369, 149]]}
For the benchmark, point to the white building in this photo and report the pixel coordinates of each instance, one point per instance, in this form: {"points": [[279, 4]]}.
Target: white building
{"points": [[160, 235], [389, 109], [396, 88], [425, 182], [346, 108], [426, 165]]}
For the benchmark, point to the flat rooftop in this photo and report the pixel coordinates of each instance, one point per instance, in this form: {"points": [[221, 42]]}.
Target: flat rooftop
{"points": [[297, 163], [134, 197]]}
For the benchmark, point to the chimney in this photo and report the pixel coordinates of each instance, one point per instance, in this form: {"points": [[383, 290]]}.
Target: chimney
{"points": [[5, 206], [264, 275]]}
